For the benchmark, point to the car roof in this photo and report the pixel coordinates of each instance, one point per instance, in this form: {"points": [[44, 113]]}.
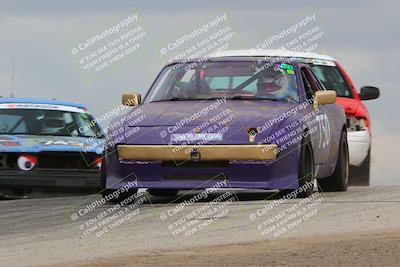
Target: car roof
{"points": [[40, 101], [270, 53]]}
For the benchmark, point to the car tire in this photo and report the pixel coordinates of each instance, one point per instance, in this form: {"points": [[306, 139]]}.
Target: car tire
{"points": [[339, 179], [163, 192], [103, 174], [359, 175], [306, 171]]}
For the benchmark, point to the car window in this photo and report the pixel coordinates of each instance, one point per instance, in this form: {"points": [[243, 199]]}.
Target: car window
{"points": [[332, 79], [9, 122], [316, 81], [46, 122], [188, 76], [307, 84], [252, 87], [231, 82], [244, 79], [218, 82]]}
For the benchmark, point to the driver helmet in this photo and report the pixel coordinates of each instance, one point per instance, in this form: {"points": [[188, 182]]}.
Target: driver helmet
{"points": [[270, 80], [53, 122]]}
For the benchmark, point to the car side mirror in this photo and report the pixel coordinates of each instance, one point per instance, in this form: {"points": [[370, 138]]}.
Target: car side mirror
{"points": [[131, 100], [324, 97], [369, 92]]}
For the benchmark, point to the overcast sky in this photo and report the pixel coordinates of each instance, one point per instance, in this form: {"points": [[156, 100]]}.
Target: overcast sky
{"points": [[37, 38]]}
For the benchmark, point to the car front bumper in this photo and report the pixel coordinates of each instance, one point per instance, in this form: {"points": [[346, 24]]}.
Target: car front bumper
{"points": [[200, 153], [50, 179], [242, 166], [359, 145]]}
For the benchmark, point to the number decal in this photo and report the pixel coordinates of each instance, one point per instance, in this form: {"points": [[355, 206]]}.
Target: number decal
{"points": [[324, 130]]}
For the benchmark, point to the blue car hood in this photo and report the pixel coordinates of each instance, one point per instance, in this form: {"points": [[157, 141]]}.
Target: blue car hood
{"points": [[36, 144]]}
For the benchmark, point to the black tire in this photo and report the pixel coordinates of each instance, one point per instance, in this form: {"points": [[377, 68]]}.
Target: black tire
{"points": [[339, 179], [359, 175], [163, 192], [306, 171], [103, 174]]}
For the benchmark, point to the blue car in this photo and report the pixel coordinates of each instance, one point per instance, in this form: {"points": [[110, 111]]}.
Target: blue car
{"points": [[47, 145]]}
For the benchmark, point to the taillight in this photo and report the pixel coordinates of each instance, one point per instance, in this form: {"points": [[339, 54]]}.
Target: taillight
{"points": [[27, 162]]}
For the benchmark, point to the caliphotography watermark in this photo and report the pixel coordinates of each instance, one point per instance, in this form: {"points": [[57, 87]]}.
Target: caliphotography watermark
{"points": [[98, 218], [109, 46], [294, 28], [306, 123], [182, 40], [196, 47], [199, 211], [303, 36], [281, 216], [103, 140]]}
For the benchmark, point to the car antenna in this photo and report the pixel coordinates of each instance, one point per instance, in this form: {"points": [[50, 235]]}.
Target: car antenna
{"points": [[12, 76]]}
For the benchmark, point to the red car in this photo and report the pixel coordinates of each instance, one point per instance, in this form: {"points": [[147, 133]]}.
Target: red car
{"points": [[333, 76]]}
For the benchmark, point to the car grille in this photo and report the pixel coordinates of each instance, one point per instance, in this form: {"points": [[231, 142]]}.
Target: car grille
{"points": [[194, 177], [203, 172], [53, 160], [66, 160], [195, 164]]}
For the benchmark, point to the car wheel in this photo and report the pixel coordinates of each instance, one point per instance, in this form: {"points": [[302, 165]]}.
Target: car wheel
{"points": [[103, 174], [338, 180], [163, 192], [359, 175], [306, 171]]}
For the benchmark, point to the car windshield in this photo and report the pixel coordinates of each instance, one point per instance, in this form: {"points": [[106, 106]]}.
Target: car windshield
{"points": [[46, 122], [231, 79], [332, 79]]}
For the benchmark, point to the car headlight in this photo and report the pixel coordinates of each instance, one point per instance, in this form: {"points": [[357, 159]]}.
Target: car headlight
{"points": [[356, 124], [27, 162]]}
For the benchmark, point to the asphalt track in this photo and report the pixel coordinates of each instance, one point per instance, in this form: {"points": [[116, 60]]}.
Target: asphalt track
{"points": [[51, 231]]}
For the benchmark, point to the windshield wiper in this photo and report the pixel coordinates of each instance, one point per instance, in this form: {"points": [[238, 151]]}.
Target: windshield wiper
{"points": [[231, 97], [174, 99], [242, 97]]}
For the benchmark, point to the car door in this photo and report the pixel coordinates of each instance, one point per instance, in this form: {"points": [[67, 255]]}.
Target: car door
{"points": [[322, 127], [337, 120]]}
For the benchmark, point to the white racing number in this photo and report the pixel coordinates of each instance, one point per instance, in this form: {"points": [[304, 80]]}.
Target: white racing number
{"points": [[324, 130]]}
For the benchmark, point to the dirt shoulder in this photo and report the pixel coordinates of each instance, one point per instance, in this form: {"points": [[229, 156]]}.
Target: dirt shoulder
{"points": [[361, 249]]}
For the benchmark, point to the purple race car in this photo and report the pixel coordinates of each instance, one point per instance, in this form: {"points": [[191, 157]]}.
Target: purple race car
{"points": [[235, 122]]}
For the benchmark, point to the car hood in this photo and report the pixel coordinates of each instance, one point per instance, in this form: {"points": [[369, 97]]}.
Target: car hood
{"points": [[36, 144], [250, 113], [166, 122]]}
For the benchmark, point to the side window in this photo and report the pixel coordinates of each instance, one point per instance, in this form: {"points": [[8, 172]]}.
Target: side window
{"points": [[332, 78], [317, 82], [10, 122], [307, 85]]}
